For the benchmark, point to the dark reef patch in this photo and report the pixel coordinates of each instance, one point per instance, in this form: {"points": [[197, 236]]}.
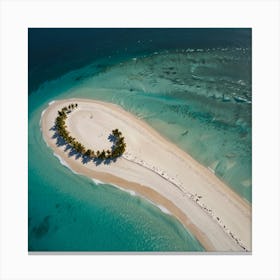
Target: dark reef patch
{"points": [[43, 228]]}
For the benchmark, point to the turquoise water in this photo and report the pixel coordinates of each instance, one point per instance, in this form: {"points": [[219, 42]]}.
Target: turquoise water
{"points": [[69, 212], [200, 99]]}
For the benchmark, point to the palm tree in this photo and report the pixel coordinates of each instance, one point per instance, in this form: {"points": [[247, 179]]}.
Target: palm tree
{"points": [[108, 153], [92, 155], [87, 153]]}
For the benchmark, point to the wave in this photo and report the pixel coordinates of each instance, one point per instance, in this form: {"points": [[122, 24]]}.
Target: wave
{"points": [[97, 182], [64, 163], [53, 101], [133, 193], [211, 169], [42, 114], [161, 208]]}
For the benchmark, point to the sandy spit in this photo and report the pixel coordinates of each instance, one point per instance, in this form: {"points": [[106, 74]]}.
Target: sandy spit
{"points": [[158, 170]]}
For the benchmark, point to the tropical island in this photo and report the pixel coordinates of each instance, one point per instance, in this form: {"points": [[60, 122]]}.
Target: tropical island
{"points": [[83, 134]]}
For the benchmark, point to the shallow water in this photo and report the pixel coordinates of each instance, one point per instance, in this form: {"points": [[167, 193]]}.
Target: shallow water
{"points": [[191, 98], [69, 212], [199, 98]]}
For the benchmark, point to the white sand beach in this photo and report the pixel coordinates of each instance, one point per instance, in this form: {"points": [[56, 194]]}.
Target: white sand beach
{"points": [[156, 169]]}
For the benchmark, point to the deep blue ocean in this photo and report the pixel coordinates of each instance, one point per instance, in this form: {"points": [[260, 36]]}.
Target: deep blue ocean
{"points": [[191, 85]]}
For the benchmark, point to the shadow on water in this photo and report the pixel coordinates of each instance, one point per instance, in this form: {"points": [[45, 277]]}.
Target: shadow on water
{"points": [[84, 159]]}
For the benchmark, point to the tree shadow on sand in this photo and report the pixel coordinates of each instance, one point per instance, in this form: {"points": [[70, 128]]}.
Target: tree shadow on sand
{"points": [[84, 158]]}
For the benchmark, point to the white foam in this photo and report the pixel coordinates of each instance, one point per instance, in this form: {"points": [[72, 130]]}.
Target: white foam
{"points": [[53, 101], [163, 209], [64, 163], [131, 192], [160, 207], [42, 114], [212, 170], [97, 182]]}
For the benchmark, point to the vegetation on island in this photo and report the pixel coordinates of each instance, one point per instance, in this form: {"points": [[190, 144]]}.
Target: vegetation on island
{"points": [[116, 138]]}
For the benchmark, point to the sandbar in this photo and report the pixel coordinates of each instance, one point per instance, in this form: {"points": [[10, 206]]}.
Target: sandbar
{"points": [[156, 169]]}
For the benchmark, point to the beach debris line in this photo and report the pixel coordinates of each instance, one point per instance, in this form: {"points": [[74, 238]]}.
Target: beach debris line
{"points": [[116, 138]]}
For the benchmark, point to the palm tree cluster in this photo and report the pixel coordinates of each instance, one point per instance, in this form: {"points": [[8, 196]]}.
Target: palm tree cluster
{"points": [[118, 140], [119, 143], [61, 126]]}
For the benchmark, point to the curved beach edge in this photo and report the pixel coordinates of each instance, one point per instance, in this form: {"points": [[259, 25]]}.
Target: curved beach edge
{"points": [[157, 170]]}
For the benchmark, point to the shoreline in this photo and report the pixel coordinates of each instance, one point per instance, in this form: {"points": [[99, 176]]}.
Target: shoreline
{"points": [[163, 174], [149, 195]]}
